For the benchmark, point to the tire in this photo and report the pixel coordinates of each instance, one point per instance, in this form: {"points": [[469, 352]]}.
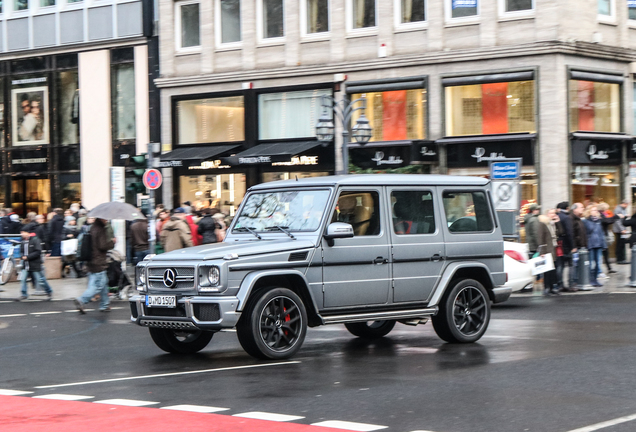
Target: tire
{"points": [[370, 329], [180, 342], [464, 313], [273, 325], [8, 265]]}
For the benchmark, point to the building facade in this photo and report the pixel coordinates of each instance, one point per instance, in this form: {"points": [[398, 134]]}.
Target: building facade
{"points": [[74, 99], [449, 86]]}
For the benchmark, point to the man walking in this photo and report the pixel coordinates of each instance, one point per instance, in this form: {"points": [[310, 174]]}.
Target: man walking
{"points": [[31, 250], [97, 278], [139, 239], [532, 226], [620, 231], [580, 238], [566, 241], [56, 225]]}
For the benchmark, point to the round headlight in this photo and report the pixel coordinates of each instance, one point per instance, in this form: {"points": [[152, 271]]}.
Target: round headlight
{"points": [[214, 276]]}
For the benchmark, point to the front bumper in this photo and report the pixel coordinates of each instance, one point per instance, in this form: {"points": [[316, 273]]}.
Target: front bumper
{"points": [[191, 313], [501, 294]]}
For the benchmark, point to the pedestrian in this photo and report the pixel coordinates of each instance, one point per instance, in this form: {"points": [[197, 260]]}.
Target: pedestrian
{"points": [[70, 232], [139, 239], [219, 218], [208, 227], [579, 236], [101, 243], [565, 241], [56, 226], [595, 242], [81, 219], [31, 250], [531, 222], [607, 219], [175, 233], [194, 229], [548, 232], [620, 232], [39, 228]]}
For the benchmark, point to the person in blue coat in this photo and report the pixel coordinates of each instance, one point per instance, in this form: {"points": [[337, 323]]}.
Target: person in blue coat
{"points": [[595, 242]]}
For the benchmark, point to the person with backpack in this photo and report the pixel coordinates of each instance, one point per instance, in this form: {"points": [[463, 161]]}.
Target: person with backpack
{"points": [[97, 263]]}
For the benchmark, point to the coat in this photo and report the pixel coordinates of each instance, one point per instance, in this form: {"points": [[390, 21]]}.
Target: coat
{"points": [[139, 235], [594, 233], [175, 234], [56, 225], [34, 255], [101, 243], [579, 231], [207, 228], [567, 236], [532, 225], [619, 226], [544, 236]]}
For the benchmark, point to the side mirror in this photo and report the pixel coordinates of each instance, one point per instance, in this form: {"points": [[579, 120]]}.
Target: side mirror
{"points": [[338, 230]]}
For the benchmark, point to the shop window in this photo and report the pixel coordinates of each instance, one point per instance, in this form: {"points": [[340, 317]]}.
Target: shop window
{"points": [[123, 101], [68, 107], [70, 190], [21, 5], [395, 115], [289, 114], [517, 5], [45, 3], [31, 195], [316, 16], [594, 106], [30, 111], [229, 20], [411, 11], [631, 9], [362, 13], [2, 111], [273, 18], [413, 212], [493, 108], [187, 25], [596, 184], [462, 8], [467, 212], [221, 191], [211, 120]]}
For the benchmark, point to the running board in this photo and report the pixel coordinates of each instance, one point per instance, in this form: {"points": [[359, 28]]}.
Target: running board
{"points": [[380, 316]]}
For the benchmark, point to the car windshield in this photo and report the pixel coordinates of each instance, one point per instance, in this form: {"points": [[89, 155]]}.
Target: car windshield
{"points": [[290, 210]]}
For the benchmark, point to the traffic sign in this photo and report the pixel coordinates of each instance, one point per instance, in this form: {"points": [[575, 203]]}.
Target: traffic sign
{"points": [[152, 179], [505, 170], [506, 195]]}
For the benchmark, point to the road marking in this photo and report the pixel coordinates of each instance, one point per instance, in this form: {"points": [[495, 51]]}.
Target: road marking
{"points": [[67, 397], [622, 292], [13, 392], [605, 424], [258, 415], [195, 408], [337, 424], [45, 313], [126, 402], [12, 315], [169, 374]]}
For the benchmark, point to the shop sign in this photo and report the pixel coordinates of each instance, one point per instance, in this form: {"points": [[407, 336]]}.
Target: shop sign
{"points": [[29, 161], [170, 164], [254, 160], [206, 165], [299, 160], [391, 160], [596, 152], [389, 156], [28, 81], [470, 154]]}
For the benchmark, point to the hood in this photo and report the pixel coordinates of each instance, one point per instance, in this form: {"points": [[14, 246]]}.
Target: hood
{"points": [[243, 248]]}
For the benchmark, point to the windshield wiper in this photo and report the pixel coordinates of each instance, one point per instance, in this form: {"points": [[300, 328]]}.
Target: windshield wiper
{"points": [[248, 229], [281, 228]]}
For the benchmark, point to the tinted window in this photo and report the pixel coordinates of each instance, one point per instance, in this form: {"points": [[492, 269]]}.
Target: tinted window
{"points": [[413, 212], [467, 212], [361, 210]]}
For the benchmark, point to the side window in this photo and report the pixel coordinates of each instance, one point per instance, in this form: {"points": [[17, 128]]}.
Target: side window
{"points": [[361, 210], [413, 212], [467, 212]]}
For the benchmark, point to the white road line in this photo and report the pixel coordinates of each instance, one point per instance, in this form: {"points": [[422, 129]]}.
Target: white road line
{"points": [[45, 313], [12, 315], [337, 424], [8, 301], [258, 415], [605, 424], [126, 402], [195, 408], [169, 374], [67, 397], [622, 292], [4, 392]]}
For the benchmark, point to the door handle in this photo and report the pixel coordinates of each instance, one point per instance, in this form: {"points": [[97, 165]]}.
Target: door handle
{"points": [[436, 257], [380, 260]]}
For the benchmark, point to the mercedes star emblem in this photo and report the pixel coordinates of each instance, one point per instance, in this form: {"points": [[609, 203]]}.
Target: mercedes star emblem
{"points": [[169, 278]]}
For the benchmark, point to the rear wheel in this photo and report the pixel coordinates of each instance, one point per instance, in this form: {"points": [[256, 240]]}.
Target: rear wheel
{"points": [[370, 329], [273, 325], [464, 313], [7, 270], [179, 341]]}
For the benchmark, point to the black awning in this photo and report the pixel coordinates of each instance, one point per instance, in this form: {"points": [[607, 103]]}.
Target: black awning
{"points": [[487, 138], [269, 153], [600, 136], [194, 155]]}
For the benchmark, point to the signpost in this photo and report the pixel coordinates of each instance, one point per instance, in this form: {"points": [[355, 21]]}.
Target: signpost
{"points": [[505, 175]]}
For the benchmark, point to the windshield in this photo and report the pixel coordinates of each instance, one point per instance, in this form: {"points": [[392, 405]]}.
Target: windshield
{"points": [[291, 210]]}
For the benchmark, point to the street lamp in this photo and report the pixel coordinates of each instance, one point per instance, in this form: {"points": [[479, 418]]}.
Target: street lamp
{"points": [[343, 110]]}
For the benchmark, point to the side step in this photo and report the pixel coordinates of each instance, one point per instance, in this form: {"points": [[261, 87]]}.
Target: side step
{"points": [[379, 316]]}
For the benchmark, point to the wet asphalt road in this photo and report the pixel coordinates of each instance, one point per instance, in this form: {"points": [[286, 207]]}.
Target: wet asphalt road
{"points": [[545, 364]]}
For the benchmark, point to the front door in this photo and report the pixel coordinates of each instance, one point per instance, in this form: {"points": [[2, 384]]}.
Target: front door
{"points": [[357, 271], [31, 195]]}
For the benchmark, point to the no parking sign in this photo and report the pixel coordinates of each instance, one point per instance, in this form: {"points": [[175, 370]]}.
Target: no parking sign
{"points": [[152, 179]]}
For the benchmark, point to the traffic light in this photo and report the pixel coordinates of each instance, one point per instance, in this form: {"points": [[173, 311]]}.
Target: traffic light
{"points": [[137, 167]]}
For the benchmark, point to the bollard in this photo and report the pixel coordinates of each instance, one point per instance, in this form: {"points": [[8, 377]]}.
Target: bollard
{"points": [[632, 277], [583, 268]]}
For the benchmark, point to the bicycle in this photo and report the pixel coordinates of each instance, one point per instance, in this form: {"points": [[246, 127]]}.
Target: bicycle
{"points": [[9, 264]]}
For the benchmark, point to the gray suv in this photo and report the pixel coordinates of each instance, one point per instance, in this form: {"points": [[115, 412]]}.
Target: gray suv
{"points": [[365, 251]]}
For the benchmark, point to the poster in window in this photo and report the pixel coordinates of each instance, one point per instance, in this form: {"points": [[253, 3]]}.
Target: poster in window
{"points": [[30, 122], [464, 4], [631, 3]]}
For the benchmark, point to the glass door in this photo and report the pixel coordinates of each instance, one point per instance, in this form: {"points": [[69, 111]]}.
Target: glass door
{"points": [[31, 195]]}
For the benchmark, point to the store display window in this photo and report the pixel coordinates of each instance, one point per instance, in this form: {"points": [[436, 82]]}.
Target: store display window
{"points": [[289, 114], [596, 184], [222, 191], [594, 106], [211, 120]]}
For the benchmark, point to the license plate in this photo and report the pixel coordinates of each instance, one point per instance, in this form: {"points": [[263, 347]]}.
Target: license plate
{"points": [[161, 301]]}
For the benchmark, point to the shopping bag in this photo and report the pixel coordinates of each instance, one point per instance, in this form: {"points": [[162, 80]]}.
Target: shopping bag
{"points": [[541, 264], [69, 247]]}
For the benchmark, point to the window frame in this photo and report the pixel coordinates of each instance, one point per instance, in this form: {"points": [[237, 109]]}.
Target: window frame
{"points": [[218, 29], [527, 13], [304, 35], [380, 190], [358, 32], [179, 49], [448, 9], [431, 191], [260, 36], [607, 19], [417, 25], [470, 191]]}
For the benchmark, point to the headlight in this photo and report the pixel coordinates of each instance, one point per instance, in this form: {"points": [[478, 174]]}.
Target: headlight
{"points": [[141, 278], [214, 276]]}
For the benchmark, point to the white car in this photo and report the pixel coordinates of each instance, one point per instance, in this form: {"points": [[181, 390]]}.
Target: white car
{"points": [[517, 267]]}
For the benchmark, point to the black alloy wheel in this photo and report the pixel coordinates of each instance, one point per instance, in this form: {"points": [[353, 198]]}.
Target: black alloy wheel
{"points": [[469, 310]]}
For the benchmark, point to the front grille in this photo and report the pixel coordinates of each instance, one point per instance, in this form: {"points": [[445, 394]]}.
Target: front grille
{"points": [[184, 276], [207, 311], [181, 271], [184, 285]]}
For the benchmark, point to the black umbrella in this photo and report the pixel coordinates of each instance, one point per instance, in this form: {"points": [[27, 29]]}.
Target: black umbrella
{"points": [[116, 210]]}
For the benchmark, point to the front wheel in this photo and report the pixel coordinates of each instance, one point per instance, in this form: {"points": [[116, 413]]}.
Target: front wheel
{"points": [[370, 329], [464, 313], [179, 341], [273, 325], [6, 271]]}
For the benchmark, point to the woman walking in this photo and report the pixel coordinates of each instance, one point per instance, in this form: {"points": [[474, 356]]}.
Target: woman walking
{"points": [[595, 242], [547, 233]]}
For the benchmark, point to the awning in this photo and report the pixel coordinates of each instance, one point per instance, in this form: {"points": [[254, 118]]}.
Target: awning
{"points": [[601, 136], [270, 153], [194, 155], [487, 138]]}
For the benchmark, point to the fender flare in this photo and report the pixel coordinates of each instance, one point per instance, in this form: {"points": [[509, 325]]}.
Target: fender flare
{"points": [[248, 283], [448, 274]]}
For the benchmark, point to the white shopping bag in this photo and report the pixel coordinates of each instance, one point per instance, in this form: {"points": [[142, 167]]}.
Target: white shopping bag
{"points": [[541, 264], [69, 247]]}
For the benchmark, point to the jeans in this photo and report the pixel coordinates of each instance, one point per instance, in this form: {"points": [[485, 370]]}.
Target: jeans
{"points": [[561, 263], [595, 264], [37, 279], [140, 255], [56, 249], [97, 284], [620, 247]]}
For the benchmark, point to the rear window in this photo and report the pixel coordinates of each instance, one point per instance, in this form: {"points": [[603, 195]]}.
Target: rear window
{"points": [[467, 211]]}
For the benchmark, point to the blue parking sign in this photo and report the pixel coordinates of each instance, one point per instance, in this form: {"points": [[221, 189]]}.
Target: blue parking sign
{"points": [[504, 170]]}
